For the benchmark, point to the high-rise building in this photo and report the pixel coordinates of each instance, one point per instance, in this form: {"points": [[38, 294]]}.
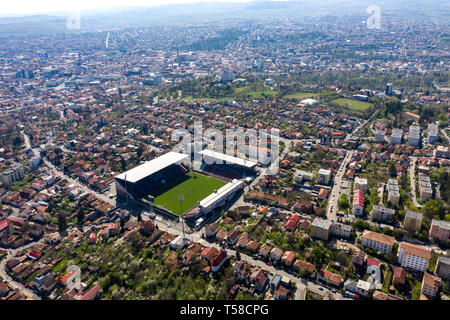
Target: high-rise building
{"points": [[389, 90]]}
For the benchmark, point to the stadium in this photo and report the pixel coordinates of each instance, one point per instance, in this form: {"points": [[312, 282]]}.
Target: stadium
{"points": [[158, 183]]}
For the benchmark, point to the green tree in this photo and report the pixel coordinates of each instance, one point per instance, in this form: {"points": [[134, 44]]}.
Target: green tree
{"points": [[62, 223]]}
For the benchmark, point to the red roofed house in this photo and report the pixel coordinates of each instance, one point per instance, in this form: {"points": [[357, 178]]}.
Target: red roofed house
{"points": [[214, 257], [288, 258], [399, 277], [146, 227], [91, 294], [92, 238], [259, 279], [291, 223], [330, 277], [4, 227]]}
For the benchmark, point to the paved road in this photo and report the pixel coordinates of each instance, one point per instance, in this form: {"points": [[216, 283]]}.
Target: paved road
{"points": [[17, 285], [412, 179], [336, 190]]}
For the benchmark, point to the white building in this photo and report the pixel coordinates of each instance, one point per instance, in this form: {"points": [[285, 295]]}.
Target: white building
{"points": [[380, 213], [425, 188], [413, 257], [433, 133], [396, 136], [324, 176], [361, 183], [363, 288], [34, 162], [414, 135], [341, 230], [15, 173], [377, 241], [301, 176], [393, 191], [379, 135]]}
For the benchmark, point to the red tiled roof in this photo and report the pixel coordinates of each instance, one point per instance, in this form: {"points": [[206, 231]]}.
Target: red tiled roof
{"points": [[358, 198]]}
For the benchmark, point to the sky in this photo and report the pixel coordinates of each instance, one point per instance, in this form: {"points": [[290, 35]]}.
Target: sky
{"points": [[25, 7]]}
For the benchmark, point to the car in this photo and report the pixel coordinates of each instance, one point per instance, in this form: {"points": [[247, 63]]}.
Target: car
{"points": [[111, 196], [269, 264], [320, 288], [169, 225]]}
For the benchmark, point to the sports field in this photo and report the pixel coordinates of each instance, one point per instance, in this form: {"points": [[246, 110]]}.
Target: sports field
{"points": [[194, 186], [352, 104]]}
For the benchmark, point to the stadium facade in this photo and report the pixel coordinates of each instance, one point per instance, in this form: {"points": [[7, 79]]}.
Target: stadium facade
{"points": [[140, 182]]}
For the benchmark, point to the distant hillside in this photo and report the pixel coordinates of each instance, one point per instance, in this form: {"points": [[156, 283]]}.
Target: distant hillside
{"points": [[179, 14]]}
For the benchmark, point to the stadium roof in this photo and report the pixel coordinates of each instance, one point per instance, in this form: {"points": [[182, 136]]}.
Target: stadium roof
{"points": [[220, 194], [227, 158], [151, 167]]}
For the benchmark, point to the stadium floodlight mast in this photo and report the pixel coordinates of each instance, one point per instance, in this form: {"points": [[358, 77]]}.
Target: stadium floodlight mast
{"points": [[181, 199]]}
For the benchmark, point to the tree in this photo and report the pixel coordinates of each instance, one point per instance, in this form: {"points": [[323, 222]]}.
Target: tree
{"points": [[62, 223], [343, 201], [238, 255], [80, 217]]}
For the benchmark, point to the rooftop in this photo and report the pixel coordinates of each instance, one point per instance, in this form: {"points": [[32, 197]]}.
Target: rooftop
{"points": [[151, 167]]}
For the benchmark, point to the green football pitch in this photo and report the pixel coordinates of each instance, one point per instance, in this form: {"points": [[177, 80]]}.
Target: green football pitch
{"points": [[194, 186]]}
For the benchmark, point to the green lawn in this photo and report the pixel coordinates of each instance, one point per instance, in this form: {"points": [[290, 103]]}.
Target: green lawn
{"points": [[301, 95], [193, 186], [352, 104]]}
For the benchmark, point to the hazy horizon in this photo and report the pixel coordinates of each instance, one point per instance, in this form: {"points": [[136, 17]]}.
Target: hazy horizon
{"points": [[30, 7]]}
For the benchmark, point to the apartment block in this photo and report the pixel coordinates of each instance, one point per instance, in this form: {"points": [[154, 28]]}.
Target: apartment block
{"points": [[413, 221], [15, 173], [425, 189], [324, 176], [413, 257], [443, 267], [320, 228], [433, 133], [430, 285], [379, 135], [440, 230], [358, 202], [393, 191], [341, 230], [377, 241], [396, 136], [414, 136], [361, 183], [381, 213]]}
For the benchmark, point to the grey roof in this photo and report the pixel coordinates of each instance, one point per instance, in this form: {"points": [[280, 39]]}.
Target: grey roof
{"points": [[151, 167], [441, 223], [414, 131], [228, 158], [322, 223], [397, 133], [414, 215]]}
